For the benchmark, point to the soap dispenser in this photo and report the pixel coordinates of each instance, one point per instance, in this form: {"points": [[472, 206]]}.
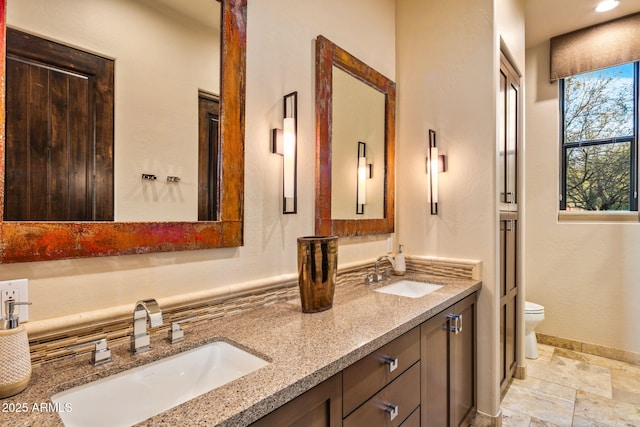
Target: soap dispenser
{"points": [[400, 266], [15, 360]]}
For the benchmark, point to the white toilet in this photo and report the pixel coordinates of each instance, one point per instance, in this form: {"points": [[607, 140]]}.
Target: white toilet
{"points": [[533, 314]]}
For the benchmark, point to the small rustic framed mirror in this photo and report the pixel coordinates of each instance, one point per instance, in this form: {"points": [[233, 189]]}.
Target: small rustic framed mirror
{"points": [[355, 107]]}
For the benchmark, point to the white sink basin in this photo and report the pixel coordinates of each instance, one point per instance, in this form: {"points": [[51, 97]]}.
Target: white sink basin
{"points": [[139, 393], [409, 288]]}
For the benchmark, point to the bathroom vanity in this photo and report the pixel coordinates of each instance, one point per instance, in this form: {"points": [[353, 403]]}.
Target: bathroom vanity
{"points": [[331, 359], [427, 373]]}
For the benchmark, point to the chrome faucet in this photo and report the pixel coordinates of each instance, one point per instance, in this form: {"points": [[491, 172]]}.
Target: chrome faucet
{"points": [[140, 341], [377, 276]]}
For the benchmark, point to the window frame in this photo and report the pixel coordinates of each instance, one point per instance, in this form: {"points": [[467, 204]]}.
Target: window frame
{"points": [[632, 139]]}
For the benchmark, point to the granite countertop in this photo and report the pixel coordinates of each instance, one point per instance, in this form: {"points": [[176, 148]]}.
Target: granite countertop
{"points": [[303, 350]]}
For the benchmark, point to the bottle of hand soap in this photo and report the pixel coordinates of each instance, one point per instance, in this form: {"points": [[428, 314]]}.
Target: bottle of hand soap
{"points": [[400, 266], [14, 353]]}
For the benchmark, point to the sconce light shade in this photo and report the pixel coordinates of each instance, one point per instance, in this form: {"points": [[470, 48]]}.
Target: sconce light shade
{"points": [[433, 174], [436, 164], [363, 174], [362, 180], [284, 142], [289, 130]]}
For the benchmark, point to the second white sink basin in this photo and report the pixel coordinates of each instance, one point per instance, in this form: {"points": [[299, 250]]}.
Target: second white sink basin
{"points": [[139, 393], [409, 288]]}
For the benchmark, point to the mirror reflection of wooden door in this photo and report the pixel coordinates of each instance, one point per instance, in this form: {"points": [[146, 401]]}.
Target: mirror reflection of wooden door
{"points": [[208, 156], [59, 148]]}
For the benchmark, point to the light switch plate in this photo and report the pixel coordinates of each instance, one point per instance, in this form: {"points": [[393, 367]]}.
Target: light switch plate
{"points": [[19, 291]]}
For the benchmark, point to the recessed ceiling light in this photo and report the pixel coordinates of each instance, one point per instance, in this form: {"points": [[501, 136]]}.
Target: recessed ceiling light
{"points": [[606, 5]]}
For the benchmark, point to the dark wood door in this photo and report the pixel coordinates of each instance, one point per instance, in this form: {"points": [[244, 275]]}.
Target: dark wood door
{"points": [[208, 157], [59, 130], [508, 296], [509, 132], [319, 407]]}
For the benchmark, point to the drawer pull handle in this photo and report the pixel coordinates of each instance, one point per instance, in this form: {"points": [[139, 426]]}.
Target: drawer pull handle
{"points": [[456, 328], [392, 410], [392, 362]]}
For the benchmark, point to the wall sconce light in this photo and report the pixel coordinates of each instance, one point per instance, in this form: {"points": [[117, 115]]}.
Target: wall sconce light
{"points": [[435, 164], [364, 172], [284, 142]]}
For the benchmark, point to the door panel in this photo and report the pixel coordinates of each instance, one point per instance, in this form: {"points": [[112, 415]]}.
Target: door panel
{"points": [[59, 129], [509, 110]]}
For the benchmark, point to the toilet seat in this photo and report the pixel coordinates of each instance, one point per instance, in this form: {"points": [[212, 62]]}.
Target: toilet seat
{"points": [[533, 308]]}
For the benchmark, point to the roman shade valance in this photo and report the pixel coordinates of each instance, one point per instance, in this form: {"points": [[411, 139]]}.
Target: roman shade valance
{"points": [[600, 46]]}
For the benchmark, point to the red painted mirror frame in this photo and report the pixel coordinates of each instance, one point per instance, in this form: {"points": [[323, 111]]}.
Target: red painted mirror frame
{"points": [[41, 241]]}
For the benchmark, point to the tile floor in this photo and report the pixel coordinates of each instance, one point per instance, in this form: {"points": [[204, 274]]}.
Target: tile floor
{"points": [[565, 388]]}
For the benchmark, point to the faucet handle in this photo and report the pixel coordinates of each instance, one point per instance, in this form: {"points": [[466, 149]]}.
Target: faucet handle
{"points": [[176, 333], [368, 278], [100, 354], [382, 276]]}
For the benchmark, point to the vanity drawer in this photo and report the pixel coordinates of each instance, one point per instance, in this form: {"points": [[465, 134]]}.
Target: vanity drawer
{"points": [[366, 377], [403, 394], [413, 420]]}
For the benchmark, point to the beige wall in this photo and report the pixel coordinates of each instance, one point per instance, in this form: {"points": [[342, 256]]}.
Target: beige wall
{"points": [[584, 274], [447, 62], [280, 59]]}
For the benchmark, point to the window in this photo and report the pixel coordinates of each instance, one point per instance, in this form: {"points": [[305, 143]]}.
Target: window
{"points": [[599, 140]]}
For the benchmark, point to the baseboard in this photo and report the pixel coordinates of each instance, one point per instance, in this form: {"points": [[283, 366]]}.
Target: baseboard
{"points": [[588, 348], [521, 372], [485, 420]]}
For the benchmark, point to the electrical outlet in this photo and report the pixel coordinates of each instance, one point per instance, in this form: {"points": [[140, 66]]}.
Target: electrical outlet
{"points": [[17, 290]]}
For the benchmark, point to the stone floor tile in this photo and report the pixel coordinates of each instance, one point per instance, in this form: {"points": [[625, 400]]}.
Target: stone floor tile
{"points": [[575, 374], [539, 423], [566, 388], [545, 352], [590, 358], [579, 421], [538, 404], [591, 407], [551, 388], [514, 418], [625, 381]]}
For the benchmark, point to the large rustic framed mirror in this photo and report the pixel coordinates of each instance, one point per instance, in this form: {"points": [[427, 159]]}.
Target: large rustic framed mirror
{"points": [[355, 145], [39, 240]]}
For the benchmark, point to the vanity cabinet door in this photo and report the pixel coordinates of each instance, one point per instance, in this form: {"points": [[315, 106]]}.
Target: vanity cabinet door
{"points": [[319, 407], [434, 376], [448, 359], [462, 360]]}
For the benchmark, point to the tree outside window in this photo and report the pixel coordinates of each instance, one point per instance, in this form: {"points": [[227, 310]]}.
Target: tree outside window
{"points": [[599, 171]]}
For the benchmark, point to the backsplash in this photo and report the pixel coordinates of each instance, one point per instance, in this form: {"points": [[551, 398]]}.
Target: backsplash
{"points": [[53, 346]]}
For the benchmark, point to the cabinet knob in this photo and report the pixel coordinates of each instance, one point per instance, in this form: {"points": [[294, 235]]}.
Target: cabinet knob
{"points": [[456, 328], [392, 362], [392, 410]]}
